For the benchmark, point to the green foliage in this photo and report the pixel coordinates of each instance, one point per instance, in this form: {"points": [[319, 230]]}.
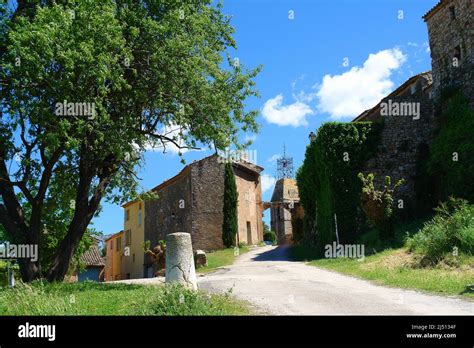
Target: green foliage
{"points": [[270, 236], [149, 67], [242, 245], [230, 222], [90, 298], [454, 137], [328, 180], [450, 232], [378, 205]]}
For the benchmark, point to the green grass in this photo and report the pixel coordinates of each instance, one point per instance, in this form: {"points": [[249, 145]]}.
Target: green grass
{"points": [[398, 268], [221, 258], [91, 298]]}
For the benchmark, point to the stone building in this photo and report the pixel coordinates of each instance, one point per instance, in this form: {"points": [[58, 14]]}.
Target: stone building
{"points": [[192, 201], [285, 210], [406, 137], [403, 136], [451, 36]]}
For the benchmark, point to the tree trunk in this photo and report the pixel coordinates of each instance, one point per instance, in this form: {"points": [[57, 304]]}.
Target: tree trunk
{"points": [[66, 251], [29, 270]]}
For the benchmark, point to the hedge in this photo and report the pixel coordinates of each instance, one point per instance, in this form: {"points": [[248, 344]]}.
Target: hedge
{"points": [[328, 182]]}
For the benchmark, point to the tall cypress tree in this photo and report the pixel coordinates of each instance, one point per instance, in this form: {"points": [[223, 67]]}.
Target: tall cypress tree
{"points": [[229, 225]]}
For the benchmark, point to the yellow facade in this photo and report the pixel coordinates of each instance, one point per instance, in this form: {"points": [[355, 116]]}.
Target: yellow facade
{"points": [[133, 238], [113, 263]]}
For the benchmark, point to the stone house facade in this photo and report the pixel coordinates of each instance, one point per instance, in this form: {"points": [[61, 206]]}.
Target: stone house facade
{"points": [[285, 210], [192, 201]]}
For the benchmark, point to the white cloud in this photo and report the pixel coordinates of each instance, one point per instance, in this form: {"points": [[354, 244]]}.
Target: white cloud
{"points": [[272, 159], [286, 115], [268, 182], [360, 88]]}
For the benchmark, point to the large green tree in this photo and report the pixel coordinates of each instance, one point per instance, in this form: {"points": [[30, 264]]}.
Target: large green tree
{"points": [[156, 75], [230, 222]]}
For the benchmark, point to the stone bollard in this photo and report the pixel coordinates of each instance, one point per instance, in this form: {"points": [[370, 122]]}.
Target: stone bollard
{"points": [[180, 260]]}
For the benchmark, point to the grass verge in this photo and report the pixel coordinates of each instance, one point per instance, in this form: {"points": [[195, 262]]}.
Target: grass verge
{"points": [[90, 298], [221, 258], [398, 268]]}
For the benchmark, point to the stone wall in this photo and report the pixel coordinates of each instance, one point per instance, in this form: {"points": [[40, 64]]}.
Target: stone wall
{"points": [[446, 35], [164, 215], [249, 208], [400, 142], [207, 177]]}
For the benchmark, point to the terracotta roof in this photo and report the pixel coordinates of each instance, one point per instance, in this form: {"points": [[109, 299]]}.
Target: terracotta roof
{"points": [[435, 9], [92, 256], [427, 75]]}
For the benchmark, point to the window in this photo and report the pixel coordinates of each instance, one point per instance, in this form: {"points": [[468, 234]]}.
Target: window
{"points": [[111, 245], [118, 244], [452, 12], [139, 218], [413, 88], [128, 237], [133, 258], [127, 215], [139, 206]]}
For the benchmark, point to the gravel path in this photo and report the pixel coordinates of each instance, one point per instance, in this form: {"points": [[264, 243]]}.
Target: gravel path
{"points": [[265, 277]]}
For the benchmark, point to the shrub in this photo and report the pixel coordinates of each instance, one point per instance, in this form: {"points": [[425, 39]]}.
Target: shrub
{"points": [[451, 231], [378, 205], [270, 236]]}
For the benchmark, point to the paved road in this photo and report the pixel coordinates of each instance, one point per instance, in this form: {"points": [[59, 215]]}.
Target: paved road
{"points": [[265, 277]]}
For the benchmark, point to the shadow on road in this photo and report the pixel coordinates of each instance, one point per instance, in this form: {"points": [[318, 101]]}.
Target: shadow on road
{"points": [[280, 253]]}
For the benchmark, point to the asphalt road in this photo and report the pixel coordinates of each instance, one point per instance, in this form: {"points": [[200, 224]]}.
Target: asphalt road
{"points": [[275, 285]]}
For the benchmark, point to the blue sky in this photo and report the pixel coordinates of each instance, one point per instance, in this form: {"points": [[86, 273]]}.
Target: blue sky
{"points": [[303, 45]]}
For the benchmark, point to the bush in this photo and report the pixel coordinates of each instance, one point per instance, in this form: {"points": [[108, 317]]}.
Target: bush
{"points": [[270, 236], [451, 231], [378, 205]]}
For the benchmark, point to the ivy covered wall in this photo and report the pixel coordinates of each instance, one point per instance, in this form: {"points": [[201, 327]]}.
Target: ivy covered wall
{"points": [[328, 182]]}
